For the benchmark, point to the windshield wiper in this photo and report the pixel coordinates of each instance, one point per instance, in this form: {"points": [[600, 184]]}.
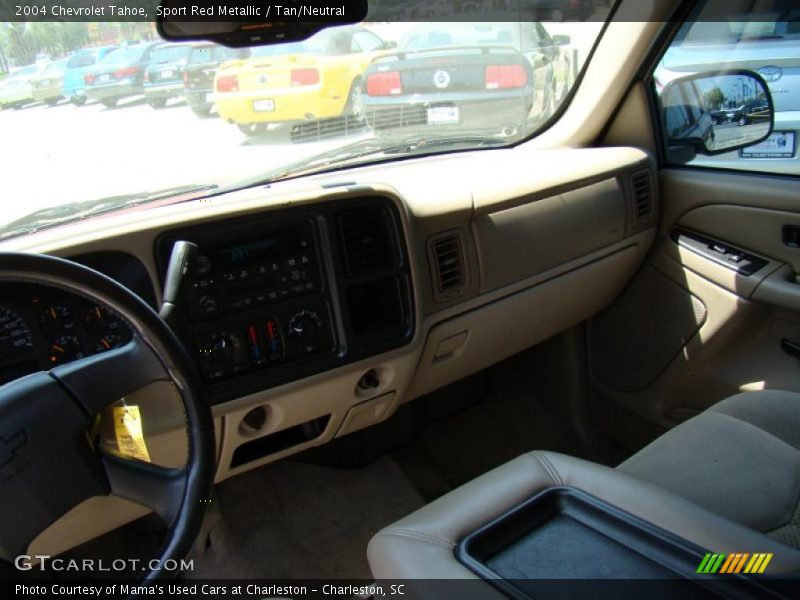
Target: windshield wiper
{"points": [[409, 146], [75, 211]]}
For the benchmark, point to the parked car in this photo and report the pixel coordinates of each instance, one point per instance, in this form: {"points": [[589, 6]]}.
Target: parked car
{"points": [[315, 79], [198, 74], [768, 43], [73, 86], [743, 114], [16, 90], [47, 85], [163, 76], [120, 74], [447, 75]]}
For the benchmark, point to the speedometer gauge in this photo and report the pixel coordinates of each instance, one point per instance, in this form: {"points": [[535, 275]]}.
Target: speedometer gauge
{"points": [[15, 335]]}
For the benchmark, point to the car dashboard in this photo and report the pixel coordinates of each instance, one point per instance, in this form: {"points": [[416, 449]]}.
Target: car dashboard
{"points": [[317, 306]]}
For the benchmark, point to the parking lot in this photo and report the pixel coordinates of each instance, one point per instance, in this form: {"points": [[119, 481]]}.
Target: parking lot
{"points": [[69, 153], [62, 154]]}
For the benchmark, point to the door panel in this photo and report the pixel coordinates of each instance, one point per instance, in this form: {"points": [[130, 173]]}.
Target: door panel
{"points": [[690, 331]]}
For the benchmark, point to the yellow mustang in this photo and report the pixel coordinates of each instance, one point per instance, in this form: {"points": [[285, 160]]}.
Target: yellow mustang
{"points": [[315, 79]]}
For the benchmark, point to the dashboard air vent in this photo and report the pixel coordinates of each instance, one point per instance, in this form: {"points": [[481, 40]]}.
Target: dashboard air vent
{"points": [[642, 194], [448, 266], [366, 240]]}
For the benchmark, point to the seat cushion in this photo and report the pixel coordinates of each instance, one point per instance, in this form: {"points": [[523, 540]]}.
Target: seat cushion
{"points": [[420, 546], [739, 459]]}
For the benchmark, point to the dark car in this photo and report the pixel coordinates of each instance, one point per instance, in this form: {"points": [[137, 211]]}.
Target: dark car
{"points": [[120, 74], [163, 77], [481, 76], [198, 74], [743, 114]]}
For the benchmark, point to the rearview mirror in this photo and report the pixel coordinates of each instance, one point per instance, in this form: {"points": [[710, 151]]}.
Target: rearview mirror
{"points": [[236, 25], [719, 112], [561, 40]]}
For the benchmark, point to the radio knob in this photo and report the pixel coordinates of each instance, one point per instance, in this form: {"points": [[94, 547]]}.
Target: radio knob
{"points": [[304, 323], [208, 304]]}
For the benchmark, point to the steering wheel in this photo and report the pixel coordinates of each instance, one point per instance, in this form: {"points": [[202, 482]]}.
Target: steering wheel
{"points": [[50, 464]]}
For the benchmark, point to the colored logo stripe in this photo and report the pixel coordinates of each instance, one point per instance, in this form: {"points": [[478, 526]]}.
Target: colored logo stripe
{"points": [[738, 562]]}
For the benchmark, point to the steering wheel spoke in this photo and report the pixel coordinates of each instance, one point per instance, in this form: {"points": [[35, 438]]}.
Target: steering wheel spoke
{"points": [[158, 488], [48, 461], [100, 380]]}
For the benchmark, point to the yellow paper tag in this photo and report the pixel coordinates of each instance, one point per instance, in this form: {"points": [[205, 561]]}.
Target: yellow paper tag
{"points": [[128, 429]]}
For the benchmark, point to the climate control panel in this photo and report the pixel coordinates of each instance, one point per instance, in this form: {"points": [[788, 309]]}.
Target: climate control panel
{"points": [[262, 338]]}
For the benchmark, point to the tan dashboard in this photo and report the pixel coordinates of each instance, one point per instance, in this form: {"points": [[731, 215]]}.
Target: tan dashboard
{"points": [[496, 263]]}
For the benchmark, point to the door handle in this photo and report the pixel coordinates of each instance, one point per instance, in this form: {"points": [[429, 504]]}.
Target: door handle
{"points": [[780, 288]]}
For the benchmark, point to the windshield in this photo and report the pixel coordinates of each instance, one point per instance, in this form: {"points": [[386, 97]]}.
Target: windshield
{"points": [[119, 133]]}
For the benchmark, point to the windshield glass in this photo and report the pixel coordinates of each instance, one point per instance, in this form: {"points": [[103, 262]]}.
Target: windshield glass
{"points": [[169, 53], [206, 117]]}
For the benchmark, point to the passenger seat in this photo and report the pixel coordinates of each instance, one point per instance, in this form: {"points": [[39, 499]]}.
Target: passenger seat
{"points": [[727, 480]]}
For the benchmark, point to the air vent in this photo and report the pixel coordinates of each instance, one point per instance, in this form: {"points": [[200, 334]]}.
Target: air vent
{"points": [[642, 195], [366, 240], [448, 266]]}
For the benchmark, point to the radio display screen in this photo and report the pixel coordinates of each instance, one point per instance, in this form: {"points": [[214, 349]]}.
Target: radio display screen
{"points": [[269, 246]]}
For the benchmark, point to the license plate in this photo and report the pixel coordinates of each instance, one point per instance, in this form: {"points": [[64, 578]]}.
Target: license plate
{"points": [[263, 105], [780, 144], [165, 73], [443, 115], [210, 97], [104, 78], [45, 82]]}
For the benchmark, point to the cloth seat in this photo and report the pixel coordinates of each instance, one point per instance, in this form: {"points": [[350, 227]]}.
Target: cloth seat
{"points": [[739, 459], [719, 451]]}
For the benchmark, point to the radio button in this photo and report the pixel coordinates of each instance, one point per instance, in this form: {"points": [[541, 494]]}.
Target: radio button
{"points": [[202, 265], [208, 305]]}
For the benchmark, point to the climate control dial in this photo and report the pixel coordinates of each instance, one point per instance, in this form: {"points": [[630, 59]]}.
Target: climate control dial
{"points": [[304, 324], [221, 349]]}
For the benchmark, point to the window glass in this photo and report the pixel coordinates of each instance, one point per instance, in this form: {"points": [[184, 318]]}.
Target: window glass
{"points": [[378, 91], [722, 36]]}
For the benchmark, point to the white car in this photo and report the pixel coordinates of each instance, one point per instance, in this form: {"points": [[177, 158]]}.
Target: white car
{"points": [[16, 89]]}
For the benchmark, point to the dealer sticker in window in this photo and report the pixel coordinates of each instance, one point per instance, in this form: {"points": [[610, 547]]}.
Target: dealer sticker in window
{"points": [[780, 144]]}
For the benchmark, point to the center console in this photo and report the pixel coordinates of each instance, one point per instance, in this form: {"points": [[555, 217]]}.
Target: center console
{"points": [[291, 293]]}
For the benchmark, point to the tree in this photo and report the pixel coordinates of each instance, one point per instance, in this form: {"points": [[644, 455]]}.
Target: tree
{"points": [[714, 98]]}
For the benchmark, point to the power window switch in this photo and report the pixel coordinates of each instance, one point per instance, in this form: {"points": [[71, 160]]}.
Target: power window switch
{"points": [[736, 257]]}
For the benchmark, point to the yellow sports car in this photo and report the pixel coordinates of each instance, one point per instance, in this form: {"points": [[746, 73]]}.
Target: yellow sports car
{"points": [[315, 79]]}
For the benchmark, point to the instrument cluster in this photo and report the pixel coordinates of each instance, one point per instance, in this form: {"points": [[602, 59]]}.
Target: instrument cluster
{"points": [[41, 329]]}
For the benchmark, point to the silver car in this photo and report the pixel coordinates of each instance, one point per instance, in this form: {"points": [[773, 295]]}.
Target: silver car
{"points": [[768, 44]]}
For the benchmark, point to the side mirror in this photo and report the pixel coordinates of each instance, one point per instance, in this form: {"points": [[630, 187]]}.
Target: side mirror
{"points": [[561, 40], [714, 113], [389, 45]]}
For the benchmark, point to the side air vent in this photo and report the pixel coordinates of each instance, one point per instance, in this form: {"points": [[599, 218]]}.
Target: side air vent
{"points": [[448, 266], [642, 198], [367, 241]]}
